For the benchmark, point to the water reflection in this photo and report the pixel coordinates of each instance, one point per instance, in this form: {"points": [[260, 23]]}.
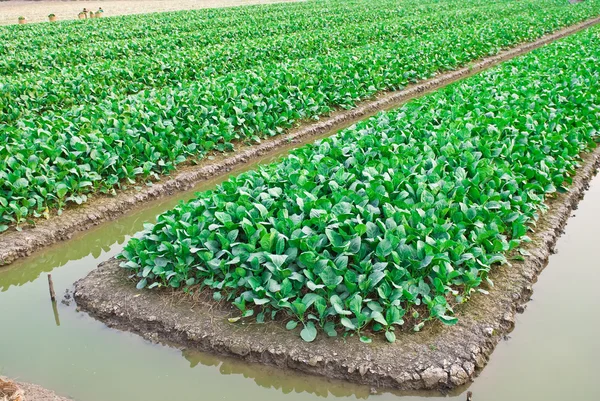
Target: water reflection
{"points": [[551, 355], [276, 378], [29, 269], [283, 380], [55, 312]]}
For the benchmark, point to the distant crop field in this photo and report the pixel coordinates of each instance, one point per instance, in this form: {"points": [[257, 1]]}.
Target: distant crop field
{"points": [[95, 106]]}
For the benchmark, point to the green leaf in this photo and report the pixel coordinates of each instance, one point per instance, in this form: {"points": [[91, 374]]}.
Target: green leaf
{"points": [[342, 208], [223, 217], [448, 320], [275, 192], [338, 305], [316, 213], [329, 329], [372, 230], [374, 306], [262, 210], [21, 183], [366, 340], [278, 260], [61, 190], [335, 239], [384, 248], [310, 299], [309, 332], [354, 245], [330, 277], [141, 284], [355, 304], [426, 261], [348, 323]]}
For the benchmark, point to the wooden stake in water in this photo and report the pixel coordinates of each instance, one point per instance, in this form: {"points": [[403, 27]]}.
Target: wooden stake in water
{"points": [[51, 285], [469, 396], [55, 311]]}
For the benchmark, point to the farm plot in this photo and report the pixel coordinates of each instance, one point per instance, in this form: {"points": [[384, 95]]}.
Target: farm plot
{"points": [[221, 78], [396, 219], [202, 54]]}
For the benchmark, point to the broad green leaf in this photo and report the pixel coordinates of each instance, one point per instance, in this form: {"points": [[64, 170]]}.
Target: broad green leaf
{"points": [[330, 277], [384, 248], [366, 340], [309, 332]]}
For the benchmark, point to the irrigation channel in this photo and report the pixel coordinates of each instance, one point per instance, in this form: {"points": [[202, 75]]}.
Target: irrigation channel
{"points": [[551, 355]]}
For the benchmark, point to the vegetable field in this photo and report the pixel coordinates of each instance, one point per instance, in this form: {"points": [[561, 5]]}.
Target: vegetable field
{"points": [[398, 218], [95, 106]]}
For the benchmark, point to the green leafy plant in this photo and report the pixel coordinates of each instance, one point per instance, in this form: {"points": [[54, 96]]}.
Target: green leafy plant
{"points": [[75, 124], [400, 216]]}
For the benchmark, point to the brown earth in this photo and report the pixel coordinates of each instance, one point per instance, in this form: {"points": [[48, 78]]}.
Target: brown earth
{"points": [[16, 391], [15, 245], [38, 11], [439, 357]]}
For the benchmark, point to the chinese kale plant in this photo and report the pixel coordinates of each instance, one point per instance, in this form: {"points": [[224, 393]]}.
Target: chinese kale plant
{"points": [[405, 212], [133, 100]]}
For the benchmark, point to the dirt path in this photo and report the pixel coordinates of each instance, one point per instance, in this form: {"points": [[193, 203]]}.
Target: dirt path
{"points": [[15, 245], [38, 11]]}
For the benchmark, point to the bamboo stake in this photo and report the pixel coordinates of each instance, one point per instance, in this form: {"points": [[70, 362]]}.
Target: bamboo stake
{"points": [[56, 315], [51, 286]]}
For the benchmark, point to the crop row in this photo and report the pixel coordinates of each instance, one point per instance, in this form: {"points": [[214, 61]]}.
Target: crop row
{"points": [[39, 37], [187, 58], [227, 29], [402, 215], [31, 93], [63, 157], [23, 95]]}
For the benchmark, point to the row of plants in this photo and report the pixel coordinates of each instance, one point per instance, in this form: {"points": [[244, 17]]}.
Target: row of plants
{"points": [[121, 29], [395, 219], [92, 82], [37, 48], [74, 83], [61, 158], [196, 34], [21, 95]]}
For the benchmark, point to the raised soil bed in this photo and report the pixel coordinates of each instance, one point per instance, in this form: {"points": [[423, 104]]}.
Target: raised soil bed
{"points": [[439, 357]]}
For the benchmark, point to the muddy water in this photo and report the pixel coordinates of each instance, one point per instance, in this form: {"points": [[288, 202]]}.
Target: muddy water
{"points": [[551, 355]]}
